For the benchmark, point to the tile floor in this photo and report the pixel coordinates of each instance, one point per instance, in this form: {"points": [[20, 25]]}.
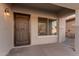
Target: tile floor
{"points": [[69, 41], [43, 50]]}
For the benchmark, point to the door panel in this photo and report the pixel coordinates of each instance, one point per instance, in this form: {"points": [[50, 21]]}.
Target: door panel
{"points": [[21, 30], [70, 29]]}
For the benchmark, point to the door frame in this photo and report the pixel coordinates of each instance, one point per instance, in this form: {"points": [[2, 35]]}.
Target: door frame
{"points": [[68, 20], [15, 30]]}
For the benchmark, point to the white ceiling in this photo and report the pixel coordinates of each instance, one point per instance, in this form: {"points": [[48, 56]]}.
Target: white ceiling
{"points": [[74, 6]]}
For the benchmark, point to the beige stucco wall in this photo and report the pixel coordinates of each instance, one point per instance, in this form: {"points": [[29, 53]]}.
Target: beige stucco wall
{"points": [[6, 30], [62, 29], [35, 39], [77, 31]]}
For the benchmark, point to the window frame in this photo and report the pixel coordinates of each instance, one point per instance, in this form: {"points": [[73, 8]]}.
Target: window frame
{"points": [[47, 26]]}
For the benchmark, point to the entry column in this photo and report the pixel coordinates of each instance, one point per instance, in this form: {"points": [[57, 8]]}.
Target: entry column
{"points": [[77, 31], [61, 30]]}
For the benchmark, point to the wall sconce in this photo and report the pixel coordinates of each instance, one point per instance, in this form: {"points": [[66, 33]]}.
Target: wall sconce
{"points": [[7, 12]]}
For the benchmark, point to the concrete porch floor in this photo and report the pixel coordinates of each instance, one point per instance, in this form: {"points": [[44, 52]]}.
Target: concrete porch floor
{"points": [[43, 50]]}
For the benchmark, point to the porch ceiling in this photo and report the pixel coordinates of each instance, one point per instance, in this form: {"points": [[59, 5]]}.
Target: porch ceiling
{"points": [[47, 7], [74, 6]]}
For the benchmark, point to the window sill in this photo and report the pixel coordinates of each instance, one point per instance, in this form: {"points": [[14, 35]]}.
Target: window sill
{"points": [[47, 36]]}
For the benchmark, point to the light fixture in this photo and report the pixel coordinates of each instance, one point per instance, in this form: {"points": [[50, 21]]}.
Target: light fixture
{"points": [[7, 12]]}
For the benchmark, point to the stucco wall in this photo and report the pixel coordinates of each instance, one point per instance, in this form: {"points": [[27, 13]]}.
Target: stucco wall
{"points": [[77, 31], [6, 30], [35, 39], [62, 29]]}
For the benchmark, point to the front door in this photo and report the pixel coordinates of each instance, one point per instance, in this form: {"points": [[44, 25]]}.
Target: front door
{"points": [[21, 29]]}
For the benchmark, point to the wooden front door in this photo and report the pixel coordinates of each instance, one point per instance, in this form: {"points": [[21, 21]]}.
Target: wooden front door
{"points": [[21, 29]]}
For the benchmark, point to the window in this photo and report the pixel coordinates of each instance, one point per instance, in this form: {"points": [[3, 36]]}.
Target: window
{"points": [[42, 26], [52, 27], [47, 26]]}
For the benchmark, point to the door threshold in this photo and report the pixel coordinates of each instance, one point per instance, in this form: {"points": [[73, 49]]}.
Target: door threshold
{"points": [[22, 46]]}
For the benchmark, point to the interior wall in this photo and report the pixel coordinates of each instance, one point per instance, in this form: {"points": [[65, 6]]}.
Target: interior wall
{"points": [[35, 39], [6, 30]]}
